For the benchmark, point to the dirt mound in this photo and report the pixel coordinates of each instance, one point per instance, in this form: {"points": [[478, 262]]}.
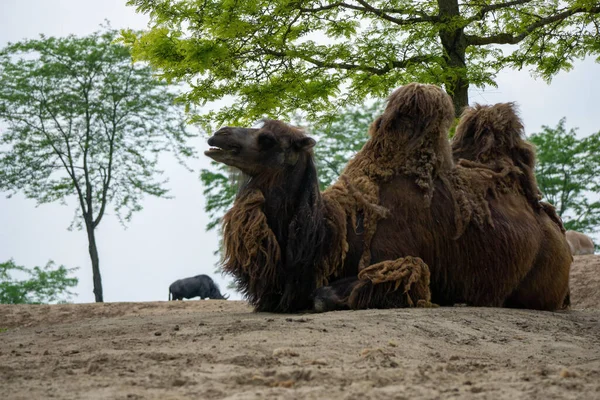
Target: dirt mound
{"points": [[585, 282], [222, 350], [23, 315]]}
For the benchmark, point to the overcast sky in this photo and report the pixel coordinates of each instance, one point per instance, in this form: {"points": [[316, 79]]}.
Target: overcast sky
{"points": [[167, 241]]}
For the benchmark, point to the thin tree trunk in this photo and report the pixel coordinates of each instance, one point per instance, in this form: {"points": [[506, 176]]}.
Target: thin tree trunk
{"points": [[454, 42], [95, 260]]}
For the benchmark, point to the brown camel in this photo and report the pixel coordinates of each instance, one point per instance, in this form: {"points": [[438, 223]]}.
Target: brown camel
{"points": [[493, 137], [579, 243], [402, 218]]}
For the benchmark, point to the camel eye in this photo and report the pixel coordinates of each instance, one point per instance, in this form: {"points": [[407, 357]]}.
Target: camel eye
{"points": [[266, 141]]}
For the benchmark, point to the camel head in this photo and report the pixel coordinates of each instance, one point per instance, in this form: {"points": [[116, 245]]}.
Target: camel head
{"points": [[415, 111], [273, 146]]}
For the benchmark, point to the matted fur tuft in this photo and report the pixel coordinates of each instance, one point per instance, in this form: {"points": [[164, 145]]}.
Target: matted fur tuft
{"points": [[486, 133], [419, 110], [493, 137]]}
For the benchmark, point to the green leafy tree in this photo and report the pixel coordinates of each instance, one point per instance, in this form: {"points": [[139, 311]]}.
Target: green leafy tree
{"points": [[274, 57], [85, 122], [340, 138], [42, 285], [568, 174]]}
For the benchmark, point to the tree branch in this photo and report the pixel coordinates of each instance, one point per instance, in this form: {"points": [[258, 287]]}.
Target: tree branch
{"points": [[507, 38], [322, 8], [351, 67], [70, 166], [380, 12], [86, 173], [493, 7], [107, 176], [366, 7]]}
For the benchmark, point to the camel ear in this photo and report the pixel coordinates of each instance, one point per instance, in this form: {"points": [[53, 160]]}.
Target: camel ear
{"points": [[306, 143]]}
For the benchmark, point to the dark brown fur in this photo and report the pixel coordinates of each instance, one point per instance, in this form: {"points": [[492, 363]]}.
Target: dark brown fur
{"points": [[402, 216], [493, 137], [275, 233]]}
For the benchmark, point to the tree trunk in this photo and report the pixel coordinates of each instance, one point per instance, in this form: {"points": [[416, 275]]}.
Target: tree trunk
{"points": [[89, 225], [459, 91], [454, 42]]}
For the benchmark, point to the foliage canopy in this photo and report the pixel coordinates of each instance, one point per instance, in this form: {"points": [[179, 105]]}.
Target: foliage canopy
{"points": [[568, 174], [43, 285], [84, 120], [274, 57]]}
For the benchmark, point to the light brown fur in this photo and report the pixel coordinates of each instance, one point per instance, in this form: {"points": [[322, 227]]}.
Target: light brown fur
{"points": [[492, 137], [579, 243]]}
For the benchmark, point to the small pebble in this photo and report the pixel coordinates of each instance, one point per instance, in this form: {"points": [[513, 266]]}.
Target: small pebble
{"points": [[565, 373], [285, 352]]}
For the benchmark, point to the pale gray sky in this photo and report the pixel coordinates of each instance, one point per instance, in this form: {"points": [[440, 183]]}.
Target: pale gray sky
{"points": [[167, 241]]}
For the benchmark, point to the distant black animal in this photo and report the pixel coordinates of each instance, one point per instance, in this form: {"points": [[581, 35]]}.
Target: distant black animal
{"points": [[199, 285]]}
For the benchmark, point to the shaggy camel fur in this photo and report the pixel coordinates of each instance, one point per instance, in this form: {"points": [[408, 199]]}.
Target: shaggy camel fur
{"points": [[402, 218], [579, 243], [493, 137]]}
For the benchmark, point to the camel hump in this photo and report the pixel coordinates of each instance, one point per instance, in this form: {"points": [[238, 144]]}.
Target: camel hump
{"points": [[485, 131]]}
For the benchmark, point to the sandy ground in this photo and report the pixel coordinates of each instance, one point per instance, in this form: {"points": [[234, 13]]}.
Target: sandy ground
{"points": [[220, 349], [585, 282]]}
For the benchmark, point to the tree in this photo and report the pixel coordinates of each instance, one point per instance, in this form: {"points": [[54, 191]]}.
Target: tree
{"points": [[568, 174], [275, 57], [84, 121], [44, 285]]}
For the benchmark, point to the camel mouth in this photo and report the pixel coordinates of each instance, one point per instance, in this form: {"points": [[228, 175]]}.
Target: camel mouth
{"points": [[221, 149]]}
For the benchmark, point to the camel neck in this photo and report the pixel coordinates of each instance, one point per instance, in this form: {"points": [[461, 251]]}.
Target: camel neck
{"points": [[288, 192]]}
